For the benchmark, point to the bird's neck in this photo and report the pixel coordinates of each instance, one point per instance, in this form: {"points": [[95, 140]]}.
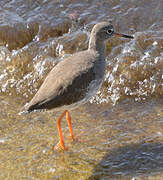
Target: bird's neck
{"points": [[96, 45]]}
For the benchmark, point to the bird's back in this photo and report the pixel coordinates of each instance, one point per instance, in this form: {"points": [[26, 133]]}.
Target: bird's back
{"points": [[69, 82]]}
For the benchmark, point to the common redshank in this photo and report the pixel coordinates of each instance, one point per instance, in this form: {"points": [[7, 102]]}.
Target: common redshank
{"points": [[76, 79]]}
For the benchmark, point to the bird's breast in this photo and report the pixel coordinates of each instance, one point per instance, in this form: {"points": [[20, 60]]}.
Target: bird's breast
{"points": [[95, 84]]}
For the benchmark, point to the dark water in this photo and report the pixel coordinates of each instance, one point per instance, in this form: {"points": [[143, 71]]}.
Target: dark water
{"points": [[122, 126]]}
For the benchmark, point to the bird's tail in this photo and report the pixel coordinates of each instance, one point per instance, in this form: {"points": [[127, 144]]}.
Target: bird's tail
{"points": [[24, 109]]}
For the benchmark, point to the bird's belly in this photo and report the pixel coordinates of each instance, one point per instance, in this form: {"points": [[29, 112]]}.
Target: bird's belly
{"points": [[93, 88], [91, 91]]}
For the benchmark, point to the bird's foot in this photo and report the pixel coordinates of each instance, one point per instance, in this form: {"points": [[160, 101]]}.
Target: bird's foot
{"points": [[60, 146]]}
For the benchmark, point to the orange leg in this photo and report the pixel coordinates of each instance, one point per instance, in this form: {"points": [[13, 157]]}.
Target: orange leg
{"points": [[70, 125], [61, 142]]}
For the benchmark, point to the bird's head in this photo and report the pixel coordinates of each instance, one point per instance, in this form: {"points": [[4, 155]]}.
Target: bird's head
{"points": [[104, 30]]}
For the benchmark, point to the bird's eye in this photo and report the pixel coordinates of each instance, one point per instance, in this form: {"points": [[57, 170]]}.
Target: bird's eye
{"points": [[110, 31]]}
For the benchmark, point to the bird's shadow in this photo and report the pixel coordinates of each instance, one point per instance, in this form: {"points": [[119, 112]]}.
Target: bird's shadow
{"points": [[130, 161]]}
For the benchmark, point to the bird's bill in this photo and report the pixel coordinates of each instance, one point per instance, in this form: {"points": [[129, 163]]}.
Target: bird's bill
{"points": [[123, 35]]}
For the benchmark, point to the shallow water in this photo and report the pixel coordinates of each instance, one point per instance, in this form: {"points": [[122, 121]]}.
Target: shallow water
{"points": [[121, 127], [120, 142]]}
